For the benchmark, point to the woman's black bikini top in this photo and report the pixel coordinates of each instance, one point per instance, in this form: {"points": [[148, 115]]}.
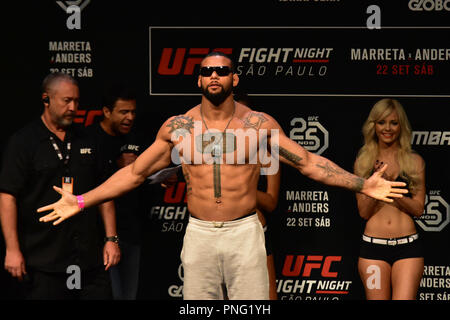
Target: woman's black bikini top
{"points": [[405, 180]]}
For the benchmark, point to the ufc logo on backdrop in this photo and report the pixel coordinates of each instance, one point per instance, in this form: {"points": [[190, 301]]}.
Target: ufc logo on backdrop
{"points": [[322, 263], [176, 193], [184, 60], [87, 116]]}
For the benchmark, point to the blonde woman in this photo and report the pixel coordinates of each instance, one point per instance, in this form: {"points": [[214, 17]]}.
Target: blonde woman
{"points": [[391, 258]]}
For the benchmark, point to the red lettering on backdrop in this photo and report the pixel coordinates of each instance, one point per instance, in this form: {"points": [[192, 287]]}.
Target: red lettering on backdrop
{"points": [[293, 265], [192, 62], [81, 117], [194, 57], [288, 271], [164, 68], [175, 193], [310, 266]]}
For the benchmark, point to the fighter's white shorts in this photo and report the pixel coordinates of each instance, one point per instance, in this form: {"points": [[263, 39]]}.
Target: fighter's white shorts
{"points": [[225, 259]]}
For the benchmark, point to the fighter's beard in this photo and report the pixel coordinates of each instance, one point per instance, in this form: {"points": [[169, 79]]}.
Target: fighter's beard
{"points": [[217, 98]]}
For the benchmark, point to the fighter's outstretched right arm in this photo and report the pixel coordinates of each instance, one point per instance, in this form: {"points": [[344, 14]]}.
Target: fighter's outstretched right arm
{"points": [[155, 158]]}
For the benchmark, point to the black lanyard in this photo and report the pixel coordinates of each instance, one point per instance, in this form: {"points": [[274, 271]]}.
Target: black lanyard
{"points": [[65, 159]]}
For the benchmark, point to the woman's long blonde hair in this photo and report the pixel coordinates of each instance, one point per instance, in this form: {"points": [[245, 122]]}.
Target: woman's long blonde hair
{"points": [[369, 152]]}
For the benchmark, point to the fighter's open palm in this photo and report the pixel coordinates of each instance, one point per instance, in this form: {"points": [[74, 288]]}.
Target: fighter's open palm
{"points": [[381, 189], [64, 208]]}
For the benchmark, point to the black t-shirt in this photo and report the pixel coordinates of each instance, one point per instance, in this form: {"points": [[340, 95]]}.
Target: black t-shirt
{"points": [[30, 168], [129, 214]]}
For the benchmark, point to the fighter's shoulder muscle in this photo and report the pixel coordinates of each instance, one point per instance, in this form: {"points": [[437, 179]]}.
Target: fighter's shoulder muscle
{"points": [[177, 123], [258, 120]]}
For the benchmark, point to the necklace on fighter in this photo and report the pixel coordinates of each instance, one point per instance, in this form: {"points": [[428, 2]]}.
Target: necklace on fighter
{"points": [[216, 154]]}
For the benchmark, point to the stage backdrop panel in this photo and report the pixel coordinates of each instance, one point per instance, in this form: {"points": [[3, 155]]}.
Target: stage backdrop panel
{"points": [[312, 65]]}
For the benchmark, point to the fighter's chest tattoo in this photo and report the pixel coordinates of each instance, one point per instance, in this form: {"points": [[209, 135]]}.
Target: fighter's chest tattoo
{"points": [[254, 120], [215, 144]]}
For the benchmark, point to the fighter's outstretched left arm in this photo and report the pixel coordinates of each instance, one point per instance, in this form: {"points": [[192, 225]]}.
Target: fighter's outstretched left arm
{"points": [[326, 171]]}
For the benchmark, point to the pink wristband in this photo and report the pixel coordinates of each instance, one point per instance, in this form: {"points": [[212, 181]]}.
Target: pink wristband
{"points": [[80, 201]]}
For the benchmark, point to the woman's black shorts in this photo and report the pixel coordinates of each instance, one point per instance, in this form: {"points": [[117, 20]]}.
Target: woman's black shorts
{"points": [[391, 252]]}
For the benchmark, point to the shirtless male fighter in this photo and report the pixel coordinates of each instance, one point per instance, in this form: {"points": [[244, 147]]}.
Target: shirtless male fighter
{"points": [[223, 250]]}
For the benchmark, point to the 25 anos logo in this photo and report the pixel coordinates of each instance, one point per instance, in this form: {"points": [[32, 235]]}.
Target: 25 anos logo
{"points": [[310, 134], [436, 213]]}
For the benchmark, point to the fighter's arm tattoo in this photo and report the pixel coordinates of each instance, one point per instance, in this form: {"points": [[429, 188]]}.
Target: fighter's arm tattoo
{"points": [[329, 173], [254, 120], [181, 122], [188, 182], [341, 176], [292, 157]]}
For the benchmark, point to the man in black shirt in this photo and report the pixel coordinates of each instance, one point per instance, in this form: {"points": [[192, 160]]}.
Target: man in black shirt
{"points": [[118, 147], [63, 262]]}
